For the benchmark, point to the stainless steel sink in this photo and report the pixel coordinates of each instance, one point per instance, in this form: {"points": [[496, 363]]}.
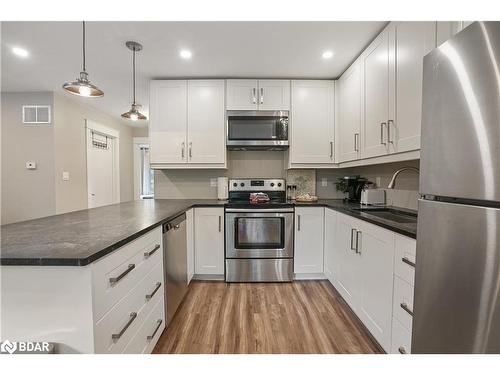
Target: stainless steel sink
{"points": [[390, 214]]}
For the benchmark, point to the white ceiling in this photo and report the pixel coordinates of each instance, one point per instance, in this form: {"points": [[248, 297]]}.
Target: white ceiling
{"points": [[220, 49]]}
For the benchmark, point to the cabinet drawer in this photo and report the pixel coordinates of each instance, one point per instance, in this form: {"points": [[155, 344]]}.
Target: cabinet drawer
{"points": [[126, 266], [406, 249], [401, 338], [403, 295], [139, 301], [150, 331]]}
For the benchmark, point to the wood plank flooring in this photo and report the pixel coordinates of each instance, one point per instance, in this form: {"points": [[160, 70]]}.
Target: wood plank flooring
{"points": [[298, 317]]}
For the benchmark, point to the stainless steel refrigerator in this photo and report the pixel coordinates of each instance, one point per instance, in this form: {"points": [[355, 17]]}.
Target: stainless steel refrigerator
{"points": [[457, 285]]}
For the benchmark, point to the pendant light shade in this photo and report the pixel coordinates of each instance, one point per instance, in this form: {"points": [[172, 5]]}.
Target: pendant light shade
{"points": [[134, 114], [82, 86]]}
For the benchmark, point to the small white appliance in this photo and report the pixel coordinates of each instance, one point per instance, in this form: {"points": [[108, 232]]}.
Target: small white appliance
{"points": [[222, 188], [374, 197]]}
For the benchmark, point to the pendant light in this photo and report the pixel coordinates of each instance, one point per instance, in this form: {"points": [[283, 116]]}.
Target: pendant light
{"points": [[82, 85], [134, 114]]}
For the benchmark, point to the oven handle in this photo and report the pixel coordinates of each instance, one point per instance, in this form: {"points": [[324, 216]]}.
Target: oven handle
{"points": [[259, 210]]}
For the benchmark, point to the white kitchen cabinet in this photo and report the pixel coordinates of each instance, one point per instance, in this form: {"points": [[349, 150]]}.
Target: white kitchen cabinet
{"points": [[413, 41], [377, 95], [190, 243], [252, 94], [446, 29], [168, 122], [308, 253], [209, 241], [329, 244], [187, 124], [312, 122], [349, 89]]}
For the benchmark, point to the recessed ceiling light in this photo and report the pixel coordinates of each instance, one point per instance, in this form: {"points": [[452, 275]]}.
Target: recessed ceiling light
{"points": [[185, 54], [21, 52], [327, 54]]}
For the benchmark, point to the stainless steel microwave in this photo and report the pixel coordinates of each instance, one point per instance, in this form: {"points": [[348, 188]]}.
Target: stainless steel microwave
{"points": [[257, 130]]}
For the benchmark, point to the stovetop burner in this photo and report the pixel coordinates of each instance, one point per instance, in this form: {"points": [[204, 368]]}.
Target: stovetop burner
{"points": [[241, 189]]}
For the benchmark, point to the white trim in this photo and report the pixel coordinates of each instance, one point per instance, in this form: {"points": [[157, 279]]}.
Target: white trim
{"points": [[91, 126], [137, 143]]}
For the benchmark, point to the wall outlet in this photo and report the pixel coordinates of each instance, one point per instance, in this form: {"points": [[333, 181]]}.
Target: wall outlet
{"points": [[324, 182], [65, 176], [213, 182], [30, 165]]}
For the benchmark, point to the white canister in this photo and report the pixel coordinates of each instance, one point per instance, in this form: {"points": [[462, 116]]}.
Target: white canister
{"points": [[222, 188]]}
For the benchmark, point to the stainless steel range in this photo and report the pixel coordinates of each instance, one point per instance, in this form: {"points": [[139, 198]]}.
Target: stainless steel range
{"points": [[259, 236]]}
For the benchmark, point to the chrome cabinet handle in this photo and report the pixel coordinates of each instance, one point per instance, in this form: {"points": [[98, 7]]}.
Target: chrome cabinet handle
{"points": [[114, 280], [261, 95], [407, 261], [183, 146], [352, 241], [405, 307], [147, 254], [190, 150], [158, 324], [358, 232], [149, 296], [402, 350], [298, 222], [220, 223], [389, 122], [116, 336], [356, 141], [382, 124], [254, 99], [331, 149]]}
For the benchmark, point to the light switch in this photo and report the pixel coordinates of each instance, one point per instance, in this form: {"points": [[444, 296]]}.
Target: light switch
{"points": [[65, 176], [324, 182], [30, 165], [213, 182]]}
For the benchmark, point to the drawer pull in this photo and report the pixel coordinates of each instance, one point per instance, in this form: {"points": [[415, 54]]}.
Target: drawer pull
{"points": [[408, 262], [149, 296], [147, 254], [404, 306], [114, 280], [116, 336], [158, 324], [402, 350]]}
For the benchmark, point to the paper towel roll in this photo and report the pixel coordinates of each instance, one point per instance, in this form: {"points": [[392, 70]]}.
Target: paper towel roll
{"points": [[222, 187]]}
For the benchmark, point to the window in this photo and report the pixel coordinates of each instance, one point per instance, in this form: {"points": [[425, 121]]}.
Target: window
{"points": [[147, 174]]}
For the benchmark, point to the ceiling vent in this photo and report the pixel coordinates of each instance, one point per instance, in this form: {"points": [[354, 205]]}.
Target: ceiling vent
{"points": [[36, 114]]}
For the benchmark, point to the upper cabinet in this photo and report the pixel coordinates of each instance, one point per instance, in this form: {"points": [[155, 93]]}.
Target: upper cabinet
{"points": [[312, 122], [446, 29], [253, 95], [187, 127]]}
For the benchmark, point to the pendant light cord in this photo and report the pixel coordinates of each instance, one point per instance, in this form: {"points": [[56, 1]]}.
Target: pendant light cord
{"points": [[133, 67], [84, 46]]}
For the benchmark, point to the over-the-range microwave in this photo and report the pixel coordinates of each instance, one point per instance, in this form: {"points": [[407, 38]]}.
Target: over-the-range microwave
{"points": [[264, 130]]}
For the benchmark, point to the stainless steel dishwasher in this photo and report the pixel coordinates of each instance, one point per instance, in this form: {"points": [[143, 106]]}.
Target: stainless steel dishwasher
{"points": [[174, 264]]}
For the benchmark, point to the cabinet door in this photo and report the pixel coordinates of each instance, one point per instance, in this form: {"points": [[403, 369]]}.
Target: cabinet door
{"points": [[376, 60], [376, 252], [167, 123], [329, 245], [242, 94], [312, 122], [274, 94], [413, 41], [209, 241], [346, 263], [309, 223], [206, 136], [349, 126]]}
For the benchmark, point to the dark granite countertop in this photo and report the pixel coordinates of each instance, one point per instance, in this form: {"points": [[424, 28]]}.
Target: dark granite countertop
{"points": [[81, 237]]}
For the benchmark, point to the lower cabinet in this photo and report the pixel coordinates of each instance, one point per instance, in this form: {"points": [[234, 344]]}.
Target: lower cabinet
{"points": [[308, 254], [209, 241]]}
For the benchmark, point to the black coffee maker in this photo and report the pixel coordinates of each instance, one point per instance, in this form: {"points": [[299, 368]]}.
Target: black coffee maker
{"points": [[353, 185]]}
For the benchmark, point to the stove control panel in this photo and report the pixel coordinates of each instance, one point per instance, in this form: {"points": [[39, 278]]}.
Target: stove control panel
{"points": [[256, 185]]}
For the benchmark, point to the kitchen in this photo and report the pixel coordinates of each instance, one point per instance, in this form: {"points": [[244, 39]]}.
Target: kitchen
{"points": [[217, 207]]}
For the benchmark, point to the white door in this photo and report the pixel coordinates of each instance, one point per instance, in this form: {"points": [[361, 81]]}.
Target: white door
{"points": [[274, 94], [168, 122], [209, 241], [349, 126], [414, 40], [205, 122], [242, 94], [308, 252], [101, 170], [376, 96], [376, 253], [312, 122], [329, 245]]}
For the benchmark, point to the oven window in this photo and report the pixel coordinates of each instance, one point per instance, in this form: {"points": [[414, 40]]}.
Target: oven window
{"points": [[259, 233], [252, 128]]}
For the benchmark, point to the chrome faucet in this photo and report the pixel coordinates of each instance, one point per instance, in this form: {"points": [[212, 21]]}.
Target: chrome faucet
{"points": [[393, 180]]}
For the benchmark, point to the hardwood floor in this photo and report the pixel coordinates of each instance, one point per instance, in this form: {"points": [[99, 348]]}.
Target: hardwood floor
{"points": [[298, 317]]}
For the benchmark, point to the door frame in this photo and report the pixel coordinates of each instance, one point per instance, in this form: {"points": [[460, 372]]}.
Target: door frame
{"points": [[92, 126], [137, 143]]}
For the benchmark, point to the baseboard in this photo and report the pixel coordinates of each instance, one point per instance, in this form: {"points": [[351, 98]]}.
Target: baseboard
{"points": [[309, 276], [208, 277]]}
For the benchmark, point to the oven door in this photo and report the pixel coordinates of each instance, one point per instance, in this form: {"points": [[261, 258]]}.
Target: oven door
{"points": [[259, 233]]}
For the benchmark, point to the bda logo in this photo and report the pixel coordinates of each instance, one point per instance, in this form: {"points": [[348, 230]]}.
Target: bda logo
{"points": [[8, 347]]}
